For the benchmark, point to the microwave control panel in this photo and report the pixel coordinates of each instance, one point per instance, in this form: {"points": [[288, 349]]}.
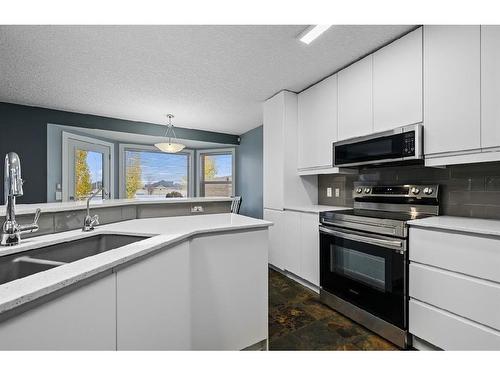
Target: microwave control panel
{"points": [[409, 143]]}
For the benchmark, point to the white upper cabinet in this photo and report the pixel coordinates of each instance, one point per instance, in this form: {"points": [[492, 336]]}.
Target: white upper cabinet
{"points": [[490, 86], [451, 89], [317, 121], [282, 185], [397, 83], [273, 152], [355, 99]]}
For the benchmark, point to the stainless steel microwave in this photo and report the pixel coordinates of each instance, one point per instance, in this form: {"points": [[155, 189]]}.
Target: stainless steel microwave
{"points": [[397, 145]]}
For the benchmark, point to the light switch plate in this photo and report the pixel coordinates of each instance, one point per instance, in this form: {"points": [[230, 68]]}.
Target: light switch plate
{"points": [[329, 192], [337, 192]]}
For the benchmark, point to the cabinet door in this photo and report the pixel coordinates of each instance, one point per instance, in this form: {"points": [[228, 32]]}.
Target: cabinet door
{"points": [[309, 247], [273, 152], [490, 86], [397, 83], [355, 99], [317, 115], [153, 302], [451, 88], [291, 234], [276, 242], [82, 319], [229, 302]]}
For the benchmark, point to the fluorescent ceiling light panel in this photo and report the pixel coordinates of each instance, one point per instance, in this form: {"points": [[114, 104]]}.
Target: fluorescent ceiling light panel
{"points": [[312, 32]]}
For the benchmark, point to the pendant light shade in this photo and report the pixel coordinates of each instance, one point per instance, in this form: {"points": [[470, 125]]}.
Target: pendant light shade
{"points": [[170, 147]]}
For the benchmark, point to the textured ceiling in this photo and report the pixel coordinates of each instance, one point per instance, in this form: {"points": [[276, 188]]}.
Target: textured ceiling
{"points": [[211, 77]]}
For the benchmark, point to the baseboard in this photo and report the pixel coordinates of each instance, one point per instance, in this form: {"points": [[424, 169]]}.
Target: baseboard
{"points": [[259, 346], [423, 345], [296, 278]]}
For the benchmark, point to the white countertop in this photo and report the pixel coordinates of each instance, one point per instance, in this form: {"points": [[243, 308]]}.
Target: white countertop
{"points": [[165, 231], [82, 205], [461, 224], [315, 208]]}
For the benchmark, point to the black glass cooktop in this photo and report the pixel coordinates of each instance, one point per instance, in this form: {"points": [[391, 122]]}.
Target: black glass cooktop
{"points": [[399, 216]]}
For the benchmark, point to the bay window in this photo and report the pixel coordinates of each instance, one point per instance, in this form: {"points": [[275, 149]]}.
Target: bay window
{"points": [[148, 173]]}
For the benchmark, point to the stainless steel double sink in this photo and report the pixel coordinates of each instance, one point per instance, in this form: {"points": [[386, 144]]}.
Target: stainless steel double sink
{"points": [[22, 264]]}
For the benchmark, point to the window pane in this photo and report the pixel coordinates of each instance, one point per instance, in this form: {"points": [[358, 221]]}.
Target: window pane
{"points": [[217, 175], [218, 167], [156, 175], [88, 173]]}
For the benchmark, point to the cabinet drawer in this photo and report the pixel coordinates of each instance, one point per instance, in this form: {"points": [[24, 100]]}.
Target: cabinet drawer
{"points": [[449, 331], [471, 255], [472, 298]]}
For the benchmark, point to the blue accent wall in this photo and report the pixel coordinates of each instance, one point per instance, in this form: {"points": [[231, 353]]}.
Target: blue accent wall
{"points": [[24, 130], [249, 175]]}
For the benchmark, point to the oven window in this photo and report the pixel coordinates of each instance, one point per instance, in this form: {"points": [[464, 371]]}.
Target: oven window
{"points": [[366, 268]]}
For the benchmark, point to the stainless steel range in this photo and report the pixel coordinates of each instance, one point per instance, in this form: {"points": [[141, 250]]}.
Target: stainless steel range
{"points": [[364, 255]]}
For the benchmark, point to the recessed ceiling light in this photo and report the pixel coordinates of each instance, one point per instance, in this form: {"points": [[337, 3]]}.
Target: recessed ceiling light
{"points": [[312, 32]]}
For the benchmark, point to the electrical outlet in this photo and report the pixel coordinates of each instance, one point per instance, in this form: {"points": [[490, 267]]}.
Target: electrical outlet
{"points": [[337, 193], [195, 209], [329, 192]]}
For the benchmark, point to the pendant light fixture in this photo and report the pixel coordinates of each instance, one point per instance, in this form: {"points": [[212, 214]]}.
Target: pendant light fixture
{"points": [[170, 147]]}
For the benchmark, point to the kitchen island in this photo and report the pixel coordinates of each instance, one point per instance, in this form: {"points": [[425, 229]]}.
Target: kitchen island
{"points": [[193, 282]]}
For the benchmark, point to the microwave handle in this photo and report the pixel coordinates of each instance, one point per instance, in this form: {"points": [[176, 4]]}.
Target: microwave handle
{"points": [[392, 244]]}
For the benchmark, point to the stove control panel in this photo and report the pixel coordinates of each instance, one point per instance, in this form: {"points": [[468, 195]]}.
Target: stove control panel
{"points": [[403, 191]]}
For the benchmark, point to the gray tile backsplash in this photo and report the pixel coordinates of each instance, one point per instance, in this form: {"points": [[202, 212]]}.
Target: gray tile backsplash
{"points": [[69, 220], [471, 190]]}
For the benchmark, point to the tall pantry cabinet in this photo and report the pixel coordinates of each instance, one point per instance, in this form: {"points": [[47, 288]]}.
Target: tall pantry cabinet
{"points": [[283, 187]]}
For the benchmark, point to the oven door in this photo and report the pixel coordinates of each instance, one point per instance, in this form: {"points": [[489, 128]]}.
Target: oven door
{"points": [[366, 270]]}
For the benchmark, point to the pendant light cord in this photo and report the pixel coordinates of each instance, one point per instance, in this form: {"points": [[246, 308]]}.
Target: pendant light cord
{"points": [[170, 128]]}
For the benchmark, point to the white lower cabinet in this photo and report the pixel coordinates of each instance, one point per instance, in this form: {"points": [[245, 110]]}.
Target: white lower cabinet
{"points": [[450, 331], [454, 289], [153, 305], [469, 297], [228, 303], [309, 247], [276, 233], [294, 243], [291, 242], [207, 293], [83, 319]]}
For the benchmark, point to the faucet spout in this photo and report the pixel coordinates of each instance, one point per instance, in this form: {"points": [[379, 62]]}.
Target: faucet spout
{"points": [[13, 187], [90, 221]]}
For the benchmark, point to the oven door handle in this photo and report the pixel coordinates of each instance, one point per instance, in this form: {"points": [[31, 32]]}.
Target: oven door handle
{"points": [[391, 244]]}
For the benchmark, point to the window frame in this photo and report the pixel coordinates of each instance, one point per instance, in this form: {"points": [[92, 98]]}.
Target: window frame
{"points": [[67, 139], [199, 169], [138, 147]]}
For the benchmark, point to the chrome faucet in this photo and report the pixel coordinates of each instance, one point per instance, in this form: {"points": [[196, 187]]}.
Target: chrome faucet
{"points": [[90, 221], [13, 187]]}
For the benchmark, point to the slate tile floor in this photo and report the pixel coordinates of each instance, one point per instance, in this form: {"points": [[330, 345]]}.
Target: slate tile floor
{"points": [[299, 321]]}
